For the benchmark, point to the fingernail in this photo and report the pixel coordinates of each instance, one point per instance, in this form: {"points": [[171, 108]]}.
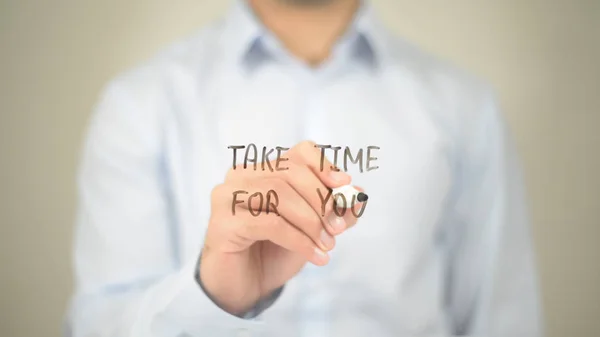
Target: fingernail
{"points": [[337, 223], [339, 177], [320, 258], [327, 240]]}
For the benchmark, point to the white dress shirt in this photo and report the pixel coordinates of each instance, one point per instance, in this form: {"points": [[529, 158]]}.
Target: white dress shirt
{"points": [[443, 247]]}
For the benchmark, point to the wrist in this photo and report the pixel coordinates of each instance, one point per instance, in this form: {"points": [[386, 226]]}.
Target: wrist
{"points": [[226, 288]]}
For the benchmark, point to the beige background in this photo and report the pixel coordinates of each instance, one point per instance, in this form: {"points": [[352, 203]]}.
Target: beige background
{"points": [[544, 60]]}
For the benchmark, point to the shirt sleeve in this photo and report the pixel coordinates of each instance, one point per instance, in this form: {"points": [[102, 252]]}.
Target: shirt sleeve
{"points": [[492, 285], [129, 280]]}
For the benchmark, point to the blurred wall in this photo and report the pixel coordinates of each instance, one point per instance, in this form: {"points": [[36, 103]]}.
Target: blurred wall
{"points": [[542, 57]]}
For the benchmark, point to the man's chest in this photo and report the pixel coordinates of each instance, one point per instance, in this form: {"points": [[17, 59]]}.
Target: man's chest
{"points": [[386, 142]]}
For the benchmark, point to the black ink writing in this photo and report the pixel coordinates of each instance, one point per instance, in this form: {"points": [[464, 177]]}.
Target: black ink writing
{"points": [[265, 159], [347, 156], [369, 158], [235, 148], [270, 202], [280, 159], [255, 208], [324, 199]]}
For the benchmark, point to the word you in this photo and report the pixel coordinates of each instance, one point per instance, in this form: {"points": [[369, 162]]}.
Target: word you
{"points": [[270, 201], [339, 207]]}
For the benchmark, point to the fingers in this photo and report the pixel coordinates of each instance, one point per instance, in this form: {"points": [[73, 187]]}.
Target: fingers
{"points": [[287, 203], [292, 208], [308, 185], [282, 233], [307, 170], [342, 219], [292, 223], [354, 213], [312, 155], [303, 174], [297, 211], [295, 198]]}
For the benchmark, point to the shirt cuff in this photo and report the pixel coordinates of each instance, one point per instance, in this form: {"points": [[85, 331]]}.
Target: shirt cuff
{"points": [[179, 304], [254, 312], [263, 304]]}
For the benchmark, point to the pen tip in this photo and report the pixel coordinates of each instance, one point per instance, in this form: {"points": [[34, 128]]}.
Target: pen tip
{"points": [[362, 197]]}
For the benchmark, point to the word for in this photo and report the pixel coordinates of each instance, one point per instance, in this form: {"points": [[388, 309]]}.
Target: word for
{"points": [[251, 156], [272, 201]]}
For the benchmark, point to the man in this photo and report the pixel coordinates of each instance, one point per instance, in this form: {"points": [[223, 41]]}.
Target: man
{"points": [[170, 241]]}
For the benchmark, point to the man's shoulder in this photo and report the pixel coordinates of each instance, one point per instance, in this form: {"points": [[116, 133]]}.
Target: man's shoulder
{"points": [[186, 56], [433, 73], [454, 95], [150, 90]]}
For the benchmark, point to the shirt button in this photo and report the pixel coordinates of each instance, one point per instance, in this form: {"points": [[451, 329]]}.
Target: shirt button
{"points": [[242, 332]]}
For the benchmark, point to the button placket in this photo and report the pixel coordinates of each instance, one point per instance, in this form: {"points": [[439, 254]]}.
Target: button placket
{"points": [[314, 304]]}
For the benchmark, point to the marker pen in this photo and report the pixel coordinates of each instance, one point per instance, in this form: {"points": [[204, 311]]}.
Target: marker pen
{"points": [[348, 191]]}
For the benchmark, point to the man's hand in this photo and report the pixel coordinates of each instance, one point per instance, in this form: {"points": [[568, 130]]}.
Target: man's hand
{"points": [[247, 257]]}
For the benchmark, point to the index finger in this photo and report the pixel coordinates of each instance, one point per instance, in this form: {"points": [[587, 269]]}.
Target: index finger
{"points": [[313, 155]]}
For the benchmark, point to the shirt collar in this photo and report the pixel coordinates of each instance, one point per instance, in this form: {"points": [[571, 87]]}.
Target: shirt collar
{"points": [[243, 36]]}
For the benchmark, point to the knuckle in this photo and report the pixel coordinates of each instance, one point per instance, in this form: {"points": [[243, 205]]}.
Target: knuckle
{"points": [[217, 192], [230, 173], [310, 152], [309, 144], [213, 221], [234, 172], [303, 147], [219, 227], [298, 158]]}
